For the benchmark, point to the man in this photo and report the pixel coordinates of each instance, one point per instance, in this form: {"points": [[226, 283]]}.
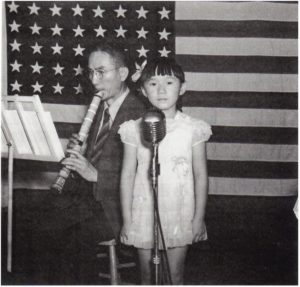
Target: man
{"points": [[108, 73], [88, 210]]}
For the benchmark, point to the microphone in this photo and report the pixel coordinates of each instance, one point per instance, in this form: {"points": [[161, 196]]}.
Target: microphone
{"points": [[154, 126]]}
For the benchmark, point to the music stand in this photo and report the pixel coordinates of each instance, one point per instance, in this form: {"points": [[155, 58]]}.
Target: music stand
{"points": [[27, 132]]}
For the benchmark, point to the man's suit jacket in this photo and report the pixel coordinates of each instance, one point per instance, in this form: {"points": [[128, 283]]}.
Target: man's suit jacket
{"points": [[109, 164], [94, 207]]}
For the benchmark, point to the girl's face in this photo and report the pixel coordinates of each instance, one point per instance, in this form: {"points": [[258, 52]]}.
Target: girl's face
{"points": [[163, 93]]}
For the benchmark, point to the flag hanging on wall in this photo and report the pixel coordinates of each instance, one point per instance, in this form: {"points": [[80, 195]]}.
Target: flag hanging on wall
{"points": [[240, 60]]}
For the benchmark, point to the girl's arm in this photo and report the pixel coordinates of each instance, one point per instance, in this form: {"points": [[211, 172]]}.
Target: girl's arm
{"points": [[200, 186], [126, 188]]}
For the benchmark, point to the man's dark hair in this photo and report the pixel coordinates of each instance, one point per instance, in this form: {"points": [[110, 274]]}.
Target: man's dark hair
{"points": [[113, 49]]}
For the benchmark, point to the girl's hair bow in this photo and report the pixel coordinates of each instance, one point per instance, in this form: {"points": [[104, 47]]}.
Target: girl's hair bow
{"points": [[138, 71]]}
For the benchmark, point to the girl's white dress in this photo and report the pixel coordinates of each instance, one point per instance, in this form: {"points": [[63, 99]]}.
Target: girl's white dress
{"points": [[175, 182]]}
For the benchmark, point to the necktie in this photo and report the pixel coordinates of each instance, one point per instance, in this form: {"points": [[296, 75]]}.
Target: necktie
{"points": [[101, 137], [105, 126]]}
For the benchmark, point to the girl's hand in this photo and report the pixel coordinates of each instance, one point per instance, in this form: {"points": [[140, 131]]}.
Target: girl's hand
{"points": [[124, 233], [199, 230], [81, 165]]}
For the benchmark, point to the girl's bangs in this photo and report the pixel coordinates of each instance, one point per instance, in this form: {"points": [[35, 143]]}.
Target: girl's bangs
{"points": [[162, 67], [163, 70]]}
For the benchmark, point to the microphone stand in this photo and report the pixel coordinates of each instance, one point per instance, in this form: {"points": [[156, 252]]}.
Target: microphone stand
{"points": [[154, 172], [154, 132]]}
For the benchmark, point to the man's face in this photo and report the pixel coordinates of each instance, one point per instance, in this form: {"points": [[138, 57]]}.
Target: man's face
{"points": [[105, 75]]}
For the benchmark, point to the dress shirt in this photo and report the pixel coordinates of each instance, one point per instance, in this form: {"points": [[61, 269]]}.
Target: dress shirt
{"points": [[113, 108]]}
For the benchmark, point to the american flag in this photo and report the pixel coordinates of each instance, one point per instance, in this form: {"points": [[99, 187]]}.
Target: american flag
{"points": [[240, 60]]}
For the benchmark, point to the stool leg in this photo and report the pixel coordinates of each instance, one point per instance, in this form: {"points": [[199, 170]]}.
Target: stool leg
{"points": [[113, 265]]}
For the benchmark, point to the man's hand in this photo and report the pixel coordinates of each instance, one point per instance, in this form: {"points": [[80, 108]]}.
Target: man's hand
{"points": [[81, 165], [74, 143]]}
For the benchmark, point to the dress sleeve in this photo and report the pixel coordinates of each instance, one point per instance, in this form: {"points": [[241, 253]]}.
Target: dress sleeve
{"points": [[201, 132], [128, 132]]}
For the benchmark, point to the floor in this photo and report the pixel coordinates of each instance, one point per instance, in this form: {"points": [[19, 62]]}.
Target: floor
{"points": [[252, 241]]}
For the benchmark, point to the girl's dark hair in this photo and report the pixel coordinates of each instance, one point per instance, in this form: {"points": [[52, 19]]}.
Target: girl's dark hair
{"points": [[161, 67]]}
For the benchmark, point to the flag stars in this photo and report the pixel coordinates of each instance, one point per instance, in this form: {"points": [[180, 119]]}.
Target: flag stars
{"points": [[142, 52], [100, 31], [16, 86], [77, 10], [78, 31], [15, 45], [56, 30], [16, 66], [36, 48], [142, 33], [120, 32], [37, 87], [78, 70], [13, 7], [164, 34], [36, 68], [56, 49], [78, 50], [78, 89], [98, 12], [142, 13], [35, 29], [120, 12], [34, 9], [164, 13], [164, 52], [58, 69], [58, 88], [14, 26], [55, 10]]}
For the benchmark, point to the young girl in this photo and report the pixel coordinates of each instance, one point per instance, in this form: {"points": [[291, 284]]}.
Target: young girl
{"points": [[182, 183]]}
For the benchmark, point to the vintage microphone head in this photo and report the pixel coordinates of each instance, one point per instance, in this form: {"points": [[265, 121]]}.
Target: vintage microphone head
{"points": [[154, 126]]}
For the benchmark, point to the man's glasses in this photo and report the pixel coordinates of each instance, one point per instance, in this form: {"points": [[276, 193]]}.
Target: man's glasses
{"points": [[98, 73]]}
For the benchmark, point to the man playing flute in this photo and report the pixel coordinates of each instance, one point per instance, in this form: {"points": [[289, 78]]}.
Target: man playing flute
{"points": [[88, 209]]}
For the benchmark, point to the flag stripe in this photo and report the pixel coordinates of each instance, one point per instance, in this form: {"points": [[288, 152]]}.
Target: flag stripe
{"points": [[234, 11], [238, 64], [34, 166], [75, 101], [239, 29], [65, 130], [215, 116], [251, 152], [253, 186], [244, 151], [222, 134], [228, 186], [245, 117], [260, 135], [236, 46], [249, 169], [66, 113], [247, 82], [252, 100], [216, 168]]}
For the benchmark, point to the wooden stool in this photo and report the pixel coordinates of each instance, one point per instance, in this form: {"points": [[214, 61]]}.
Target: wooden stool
{"points": [[114, 265]]}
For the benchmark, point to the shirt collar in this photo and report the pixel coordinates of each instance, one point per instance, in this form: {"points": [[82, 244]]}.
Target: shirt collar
{"points": [[114, 107]]}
